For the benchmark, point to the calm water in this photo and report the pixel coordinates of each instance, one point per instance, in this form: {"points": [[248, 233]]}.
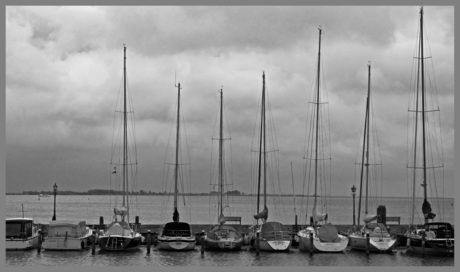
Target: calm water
{"points": [[150, 209], [199, 209], [244, 257]]}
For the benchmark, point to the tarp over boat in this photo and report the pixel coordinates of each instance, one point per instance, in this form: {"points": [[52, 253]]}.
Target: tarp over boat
{"points": [[177, 229], [328, 233], [271, 226], [59, 228], [119, 228]]}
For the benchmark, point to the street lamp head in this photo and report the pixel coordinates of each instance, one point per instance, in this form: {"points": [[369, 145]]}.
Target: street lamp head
{"points": [[55, 187], [353, 190]]}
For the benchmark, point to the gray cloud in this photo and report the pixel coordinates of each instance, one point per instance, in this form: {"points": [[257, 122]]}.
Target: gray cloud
{"points": [[64, 71]]}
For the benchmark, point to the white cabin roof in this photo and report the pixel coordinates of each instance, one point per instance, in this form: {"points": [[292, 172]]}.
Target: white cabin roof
{"points": [[66, 223], [24, 219]]}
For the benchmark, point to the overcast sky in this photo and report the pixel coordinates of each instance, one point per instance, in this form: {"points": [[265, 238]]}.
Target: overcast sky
{"points": [[64, 68]]}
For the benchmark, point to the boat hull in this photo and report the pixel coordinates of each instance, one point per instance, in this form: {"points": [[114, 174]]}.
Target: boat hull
{"points": [[71, 243], [441, 246], [376, 244], [119, 243], [271, 245], [22, 244], [223, 244], [305, 244], [176, 243]]}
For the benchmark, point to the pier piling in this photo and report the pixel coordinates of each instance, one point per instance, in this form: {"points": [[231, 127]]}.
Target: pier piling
{"points": [[39, 247], [423, 243], [93, 243], [311, 244], [149, 241], [367, 244], [257, 244]]}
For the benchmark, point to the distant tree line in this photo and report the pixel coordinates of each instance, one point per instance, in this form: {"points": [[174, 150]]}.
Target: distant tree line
{"points": [[113, 192]]}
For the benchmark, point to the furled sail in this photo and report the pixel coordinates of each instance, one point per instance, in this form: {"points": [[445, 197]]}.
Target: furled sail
{"points": [[176, 215], [123, 211], [221, 219], [369, 218], [426, 209], [262, 215], [317, 216]]}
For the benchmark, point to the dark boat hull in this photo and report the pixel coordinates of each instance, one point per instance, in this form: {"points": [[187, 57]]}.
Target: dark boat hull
{"points": [[119, 243]]}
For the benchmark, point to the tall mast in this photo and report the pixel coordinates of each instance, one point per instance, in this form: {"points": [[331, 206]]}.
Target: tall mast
{"points": [[317, 118], [367, 135], [265, 142], [221, 181], [176, 169], [125, 131], [423, 108], [365, 140], [261, 145]]}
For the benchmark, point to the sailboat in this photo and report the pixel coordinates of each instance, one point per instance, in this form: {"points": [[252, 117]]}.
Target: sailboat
{"points": [[118, 235], [436, 237], [325, 236], [379, 238], [269, 236], [222, 237], [176, 235]]}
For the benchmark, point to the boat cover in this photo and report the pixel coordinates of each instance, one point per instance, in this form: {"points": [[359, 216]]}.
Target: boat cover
{"points": [[271, 226], [328, 233], [177, 229], [119, 228], [377, 230], [59, 228]]}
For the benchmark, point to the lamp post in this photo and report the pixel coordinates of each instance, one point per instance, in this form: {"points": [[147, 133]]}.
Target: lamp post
{"points": [[55, 187], [353, 193]]}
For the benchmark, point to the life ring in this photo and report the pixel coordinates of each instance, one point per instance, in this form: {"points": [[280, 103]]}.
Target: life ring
{"points": [[448, 243]]}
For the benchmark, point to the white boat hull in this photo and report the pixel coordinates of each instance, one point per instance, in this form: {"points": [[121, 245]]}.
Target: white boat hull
{"points": [[376, 244], [22, 244], [318, 246], [70, 243], [271, 245], [223, 244], [176, 243]]}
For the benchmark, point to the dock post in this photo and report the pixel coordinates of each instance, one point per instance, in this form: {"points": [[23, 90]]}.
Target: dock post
{"points": [[101, 221], [423, 244], [367, 244], [149, 241], [257, 244], [311, 243], [202, 243], [39, 247], [93, 243]]}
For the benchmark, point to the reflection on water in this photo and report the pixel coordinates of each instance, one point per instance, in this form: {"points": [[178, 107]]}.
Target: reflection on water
{"points": [[245, 257]]}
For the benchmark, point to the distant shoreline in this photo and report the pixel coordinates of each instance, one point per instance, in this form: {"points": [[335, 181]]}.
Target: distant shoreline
{"points": [[237, 193]]}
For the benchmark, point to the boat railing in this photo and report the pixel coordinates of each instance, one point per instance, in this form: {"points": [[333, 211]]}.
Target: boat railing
{"points": [[177, 233], [279, 235]]}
